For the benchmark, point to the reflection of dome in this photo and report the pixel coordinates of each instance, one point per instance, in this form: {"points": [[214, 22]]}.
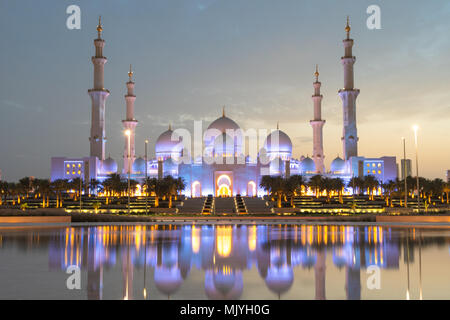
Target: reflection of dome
{"points": [[139, 166], [279, 280], [109, 166], [166, 146], [338, 165], [278, 143], [223, 286], [307, 165], [168, 281]]}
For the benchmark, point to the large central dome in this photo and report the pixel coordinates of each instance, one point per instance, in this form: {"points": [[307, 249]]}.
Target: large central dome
{"points": [[223, 124], [217, 128]]}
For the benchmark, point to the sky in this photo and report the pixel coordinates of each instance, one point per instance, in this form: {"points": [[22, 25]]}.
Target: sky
{"points": [[191, 57]]}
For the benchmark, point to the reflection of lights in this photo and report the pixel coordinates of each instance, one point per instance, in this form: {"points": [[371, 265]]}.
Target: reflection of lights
{"points": [[195, 241], [223, 240]]}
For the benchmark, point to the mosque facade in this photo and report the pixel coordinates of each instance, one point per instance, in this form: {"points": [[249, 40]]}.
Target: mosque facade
{"points": [[224, 167]]}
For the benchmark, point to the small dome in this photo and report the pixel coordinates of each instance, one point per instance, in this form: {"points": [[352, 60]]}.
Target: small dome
{"points": [[307, 165], [110, 166], [166, 146], [139, 166], [278, 142], [338, 165]]}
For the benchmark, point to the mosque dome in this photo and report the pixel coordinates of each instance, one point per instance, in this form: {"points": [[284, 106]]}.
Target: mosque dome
{"points": [[337, 165], [110, 166], [307, 165], [283, 147], [280, 280], [168, 280], [223, 124], [166, 146], [138, 166]]}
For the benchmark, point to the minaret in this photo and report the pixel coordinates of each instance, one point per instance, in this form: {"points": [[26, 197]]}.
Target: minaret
{"points": [[129, 123], [317, 125], [348, 96], [98, 97]]}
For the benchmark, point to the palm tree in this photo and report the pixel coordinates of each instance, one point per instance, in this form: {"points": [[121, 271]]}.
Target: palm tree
{"points": [[275, 186], [317, 183], [94, 186], [44, 190], [180, 185], [371, 183], [26, 185], [357, 184], [337, 185], [446, 190], [59, 186], [389, 188]]}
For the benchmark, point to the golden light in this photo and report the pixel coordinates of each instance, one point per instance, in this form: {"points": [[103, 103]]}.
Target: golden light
{"points": [[127, 132], [224, 240]]}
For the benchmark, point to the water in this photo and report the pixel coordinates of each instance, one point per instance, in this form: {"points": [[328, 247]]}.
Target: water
{"points": [[226, 262]]}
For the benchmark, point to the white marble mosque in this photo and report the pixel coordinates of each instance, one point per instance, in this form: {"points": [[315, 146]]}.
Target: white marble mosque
{"points": [[232, 171]]}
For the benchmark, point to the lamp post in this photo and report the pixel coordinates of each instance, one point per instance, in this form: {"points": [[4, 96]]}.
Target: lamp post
{"points": [[146, 182], [128, 134], [404, 172], [416, 128]]}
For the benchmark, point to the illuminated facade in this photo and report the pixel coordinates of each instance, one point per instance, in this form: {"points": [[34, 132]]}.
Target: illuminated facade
{"points": [[224, 167]]}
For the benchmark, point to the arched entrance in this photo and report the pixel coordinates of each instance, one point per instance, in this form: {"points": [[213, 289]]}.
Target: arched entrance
{"points": [[251, 189], [196, 189], [223, 186]]}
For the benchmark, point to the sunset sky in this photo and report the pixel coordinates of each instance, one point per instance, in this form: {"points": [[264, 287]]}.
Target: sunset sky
{"points": [[191, 57]]}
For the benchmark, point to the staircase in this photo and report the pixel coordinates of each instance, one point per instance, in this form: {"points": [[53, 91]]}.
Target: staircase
{"points": [[256, 205], [224, 205], [240, 205], [208, 205], [192, 205]]}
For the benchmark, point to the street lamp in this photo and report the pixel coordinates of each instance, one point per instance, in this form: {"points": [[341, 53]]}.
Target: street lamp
{"points": [[404, 172], [416, 128], [146, 182], [128, 134]]}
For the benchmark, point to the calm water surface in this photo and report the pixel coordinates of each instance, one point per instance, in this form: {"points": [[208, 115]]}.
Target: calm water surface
{"points": [[226, 262]]}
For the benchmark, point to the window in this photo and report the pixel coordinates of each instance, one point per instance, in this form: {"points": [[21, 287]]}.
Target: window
{"points": [[379, 171]]}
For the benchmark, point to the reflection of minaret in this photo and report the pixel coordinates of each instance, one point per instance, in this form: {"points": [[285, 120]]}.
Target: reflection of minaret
{"points": [[348, 95], [353, 283], [317, 125], [98, 97], [94, 271], [129, 124], [319, 270]]}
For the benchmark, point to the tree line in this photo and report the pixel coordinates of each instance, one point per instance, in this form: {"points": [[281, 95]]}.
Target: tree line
{"points": [[280, 188], [168, 188]]}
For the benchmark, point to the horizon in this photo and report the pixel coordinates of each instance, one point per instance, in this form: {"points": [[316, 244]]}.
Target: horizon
{"points": [[213, 53]]}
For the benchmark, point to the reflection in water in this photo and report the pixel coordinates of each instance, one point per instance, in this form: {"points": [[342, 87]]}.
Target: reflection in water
{"points": [[224, 252]]}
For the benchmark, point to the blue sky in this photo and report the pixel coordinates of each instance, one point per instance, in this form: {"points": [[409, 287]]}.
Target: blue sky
{"points": [[190, 57]]}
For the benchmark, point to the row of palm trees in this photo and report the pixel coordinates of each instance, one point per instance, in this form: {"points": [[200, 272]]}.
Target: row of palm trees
{"points": [[168, 188], [280, 188]]}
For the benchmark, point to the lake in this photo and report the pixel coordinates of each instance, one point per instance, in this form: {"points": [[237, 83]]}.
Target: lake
{"points": [[185, 261]]}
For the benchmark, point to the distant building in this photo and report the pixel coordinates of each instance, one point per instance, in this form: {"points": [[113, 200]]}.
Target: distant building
{"points": [[448, 175], [408, 168]]}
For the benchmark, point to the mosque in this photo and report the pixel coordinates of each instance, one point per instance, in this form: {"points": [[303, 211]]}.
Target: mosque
{"points": [[224, 168]]}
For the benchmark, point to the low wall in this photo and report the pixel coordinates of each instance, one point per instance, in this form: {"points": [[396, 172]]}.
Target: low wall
{"points": [[36, 219], [413, 219]]}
